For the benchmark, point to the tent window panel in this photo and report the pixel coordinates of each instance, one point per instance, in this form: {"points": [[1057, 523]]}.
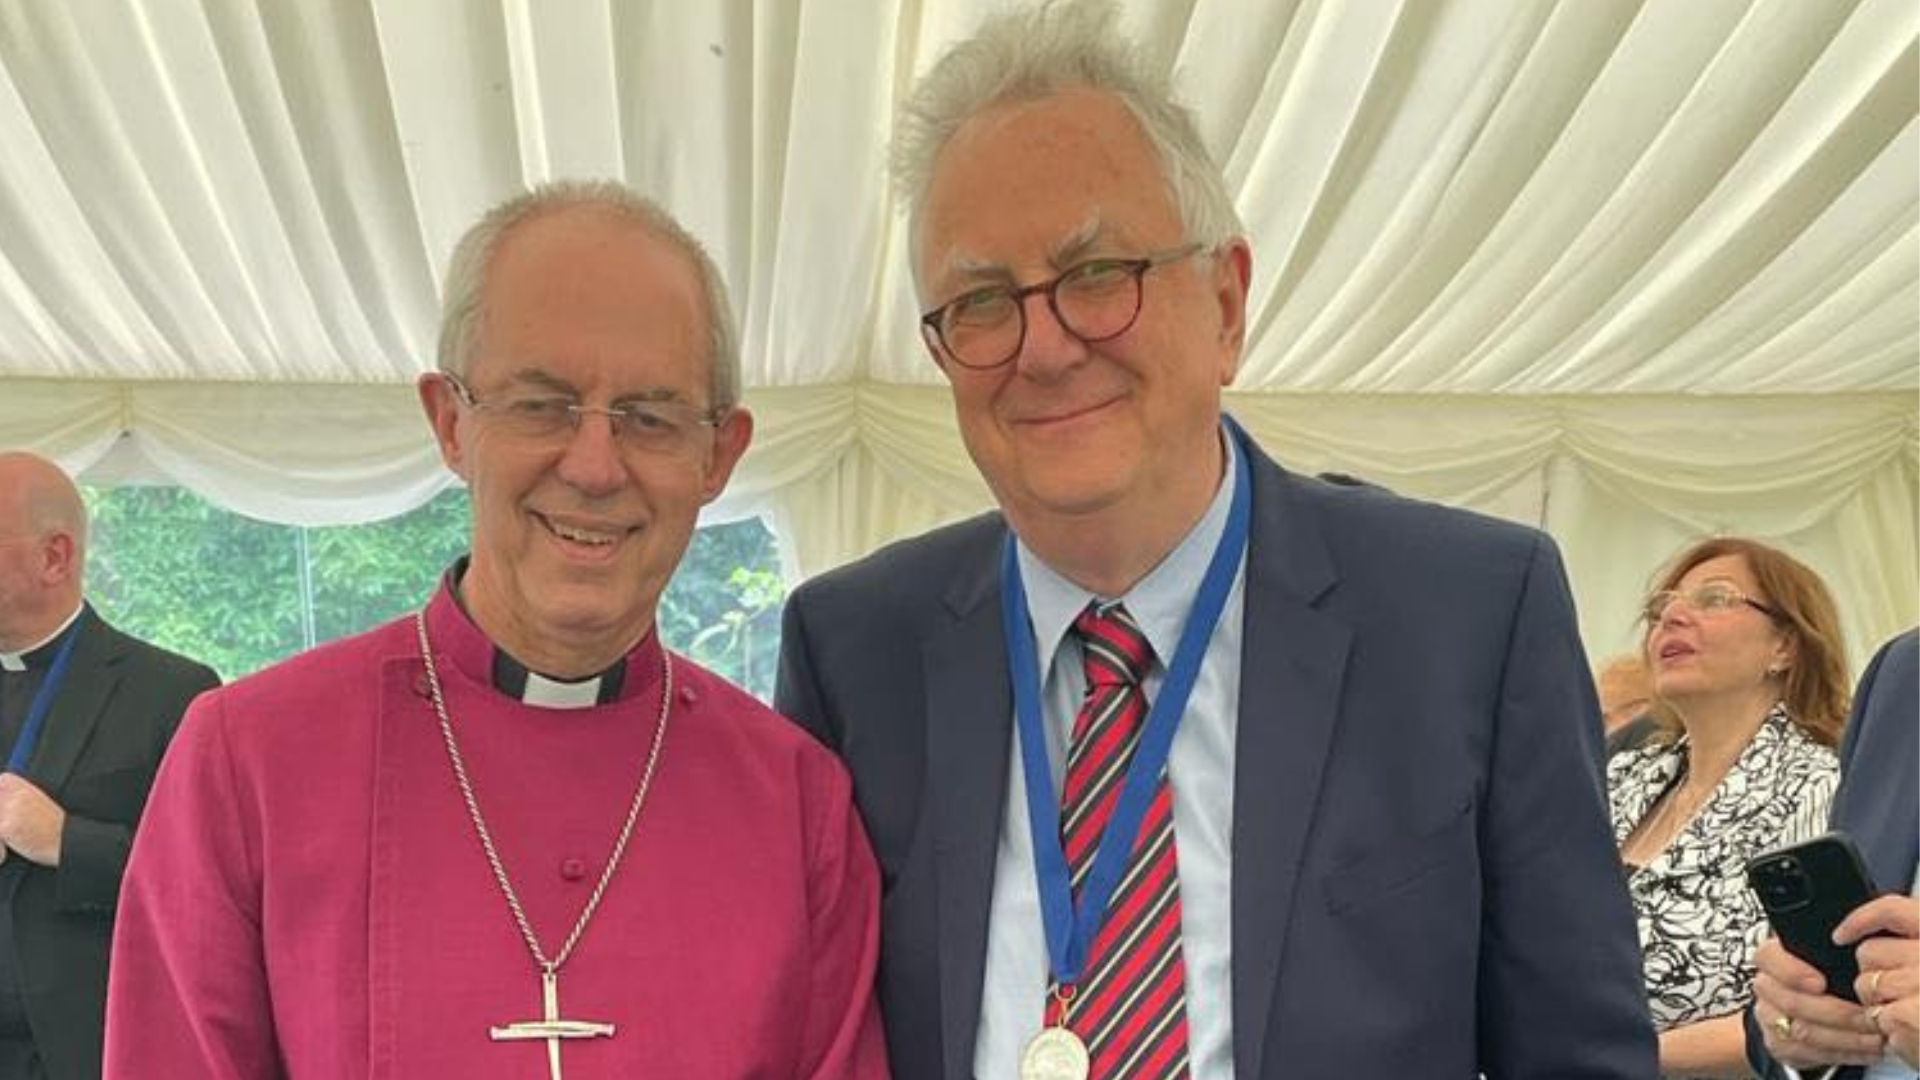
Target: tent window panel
{"points": [[240, 594]]}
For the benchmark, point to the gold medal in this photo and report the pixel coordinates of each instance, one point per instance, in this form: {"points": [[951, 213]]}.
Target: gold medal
{"points": [[1055, 1054]]}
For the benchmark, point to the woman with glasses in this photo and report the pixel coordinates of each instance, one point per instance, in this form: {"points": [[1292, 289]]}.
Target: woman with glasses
{"points": [[1750, 682]]}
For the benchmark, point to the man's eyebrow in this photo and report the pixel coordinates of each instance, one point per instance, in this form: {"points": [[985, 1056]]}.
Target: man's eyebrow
{"points": [[1070, 248], [541, 379], [652, 395], [968, 268], [1061, 254]]}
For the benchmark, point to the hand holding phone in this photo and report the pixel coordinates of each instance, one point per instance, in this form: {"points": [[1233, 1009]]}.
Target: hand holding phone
{"points": [[1806, 889]]}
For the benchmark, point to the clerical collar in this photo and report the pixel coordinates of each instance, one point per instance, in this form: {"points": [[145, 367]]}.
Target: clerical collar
{"points": [[40, 653], [513, 678]]}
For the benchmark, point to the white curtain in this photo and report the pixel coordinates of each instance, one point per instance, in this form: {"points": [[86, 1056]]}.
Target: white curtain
{"points": [[1632, 271]]}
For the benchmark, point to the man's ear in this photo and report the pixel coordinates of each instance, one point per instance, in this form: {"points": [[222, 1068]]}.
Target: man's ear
{"points": [[442, 406], [1232, 276], [59, 558], [730, 441]]}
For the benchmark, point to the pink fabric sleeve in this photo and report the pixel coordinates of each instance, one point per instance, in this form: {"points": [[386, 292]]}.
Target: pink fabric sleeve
{"points": [[188, 991], [843, 1036]]}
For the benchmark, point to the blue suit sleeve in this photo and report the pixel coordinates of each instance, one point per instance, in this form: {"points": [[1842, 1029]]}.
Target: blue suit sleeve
{"points": [[1562, 993]]}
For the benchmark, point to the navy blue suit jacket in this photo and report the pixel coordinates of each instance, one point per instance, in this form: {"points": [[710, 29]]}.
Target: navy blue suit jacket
{"points": [[1878, 803], [1879, 798], [1424, 879]]}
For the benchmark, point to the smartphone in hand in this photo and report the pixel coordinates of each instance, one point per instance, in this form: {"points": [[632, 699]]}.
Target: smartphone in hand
{"points": [[1806, 889]]}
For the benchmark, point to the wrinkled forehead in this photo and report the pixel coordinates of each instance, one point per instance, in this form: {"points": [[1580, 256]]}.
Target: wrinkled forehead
{"points": [[589, 296], [1022, 179]]}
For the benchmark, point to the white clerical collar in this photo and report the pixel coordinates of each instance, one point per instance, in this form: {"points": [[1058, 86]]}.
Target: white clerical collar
{"points": [[17, 661], [515, 679], [554, 694]]}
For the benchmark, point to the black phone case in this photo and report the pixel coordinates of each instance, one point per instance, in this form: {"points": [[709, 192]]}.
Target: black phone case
{"points": [[1806, 889]]}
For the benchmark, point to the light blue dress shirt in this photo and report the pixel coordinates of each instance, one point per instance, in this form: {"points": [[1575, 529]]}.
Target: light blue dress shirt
{"points": [[1200, 768]]}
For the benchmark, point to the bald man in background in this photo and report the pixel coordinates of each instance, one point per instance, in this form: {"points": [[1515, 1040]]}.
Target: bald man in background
{"points": [[85, 714], [1626, 701]]}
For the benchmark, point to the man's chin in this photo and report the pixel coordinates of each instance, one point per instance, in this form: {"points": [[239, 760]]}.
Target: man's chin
{"points": [[572, 644], [586, 617], [1072, 492]]}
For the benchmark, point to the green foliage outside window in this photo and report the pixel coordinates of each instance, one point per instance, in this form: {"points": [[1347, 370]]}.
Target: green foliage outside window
{"points": [[240, 594]]}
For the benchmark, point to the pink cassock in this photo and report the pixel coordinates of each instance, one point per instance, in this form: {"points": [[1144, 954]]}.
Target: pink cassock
{"points": [[307, 897]]}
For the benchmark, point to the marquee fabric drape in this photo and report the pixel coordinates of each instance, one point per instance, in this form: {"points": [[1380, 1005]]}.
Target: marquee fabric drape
{"points": [[1630, 271]]}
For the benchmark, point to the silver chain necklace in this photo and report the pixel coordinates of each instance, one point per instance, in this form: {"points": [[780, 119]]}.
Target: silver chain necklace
{"points": [[548, 967]]}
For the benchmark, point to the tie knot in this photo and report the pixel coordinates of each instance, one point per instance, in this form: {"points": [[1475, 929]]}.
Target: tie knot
{"points": [[1116, 650]]}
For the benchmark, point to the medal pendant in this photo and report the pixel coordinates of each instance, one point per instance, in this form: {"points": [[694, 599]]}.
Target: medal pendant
{"points": [[1055, 1054]]}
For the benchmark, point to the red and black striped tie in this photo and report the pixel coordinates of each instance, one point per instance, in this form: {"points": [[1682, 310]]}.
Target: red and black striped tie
{"points": [[1130, 1005]]}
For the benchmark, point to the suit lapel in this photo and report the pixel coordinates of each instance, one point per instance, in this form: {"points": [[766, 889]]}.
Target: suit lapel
{"points": [[80, 700], [1292, 664], [969, 717]]}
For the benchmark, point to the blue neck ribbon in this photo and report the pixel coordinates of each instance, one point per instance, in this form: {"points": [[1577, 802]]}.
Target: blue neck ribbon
{"points": [[43, 701], [1070, 931]]}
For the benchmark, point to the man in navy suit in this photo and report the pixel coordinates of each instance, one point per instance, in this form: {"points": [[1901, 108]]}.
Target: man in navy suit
{"points": [[1794, 1022], [1389, 846]]}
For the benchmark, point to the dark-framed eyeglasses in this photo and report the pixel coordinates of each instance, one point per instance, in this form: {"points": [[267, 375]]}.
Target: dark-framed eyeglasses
{"points": [[1709, 598], [654, 427], [1096, 300]]}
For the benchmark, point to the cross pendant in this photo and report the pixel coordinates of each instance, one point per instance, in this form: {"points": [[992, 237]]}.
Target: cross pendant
{"points": [[550, 1026]]}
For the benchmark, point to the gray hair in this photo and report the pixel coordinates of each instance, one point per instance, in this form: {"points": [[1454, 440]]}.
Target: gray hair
{"points": [[1032, 53], [473, 257]]}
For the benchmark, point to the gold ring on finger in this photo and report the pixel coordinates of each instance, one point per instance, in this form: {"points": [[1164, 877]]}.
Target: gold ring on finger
{"points": [[1784, 1025], [1873, 983]]}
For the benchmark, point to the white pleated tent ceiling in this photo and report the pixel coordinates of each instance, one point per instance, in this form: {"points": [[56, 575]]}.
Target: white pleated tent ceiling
{"points": [[1631, 271]]}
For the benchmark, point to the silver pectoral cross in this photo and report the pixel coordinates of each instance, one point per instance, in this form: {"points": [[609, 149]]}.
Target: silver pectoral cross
{"points": [[550, 1026]]}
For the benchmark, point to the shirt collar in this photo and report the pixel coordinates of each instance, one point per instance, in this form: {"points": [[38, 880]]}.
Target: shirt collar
{"points": [[34, 654], [1159, 602]]}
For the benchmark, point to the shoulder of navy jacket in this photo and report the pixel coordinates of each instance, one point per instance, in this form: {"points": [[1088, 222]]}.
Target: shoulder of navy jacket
{"points": [[1340, 479]]}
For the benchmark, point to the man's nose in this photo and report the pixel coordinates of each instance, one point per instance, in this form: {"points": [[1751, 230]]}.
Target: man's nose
{"points": [[593, 462], [1048, 345]]}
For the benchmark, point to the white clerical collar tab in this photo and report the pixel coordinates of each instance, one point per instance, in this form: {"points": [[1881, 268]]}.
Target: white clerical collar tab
{"points": [[552, 694], [17, 661], [516, 680]]}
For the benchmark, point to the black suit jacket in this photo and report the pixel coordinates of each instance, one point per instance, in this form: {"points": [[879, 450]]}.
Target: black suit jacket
{"points": [[108, 726], [1878, 803], [1424, 879]]}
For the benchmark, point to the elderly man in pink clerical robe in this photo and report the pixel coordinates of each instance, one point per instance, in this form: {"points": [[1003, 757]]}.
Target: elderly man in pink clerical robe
{"points": [[512, 835]]}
